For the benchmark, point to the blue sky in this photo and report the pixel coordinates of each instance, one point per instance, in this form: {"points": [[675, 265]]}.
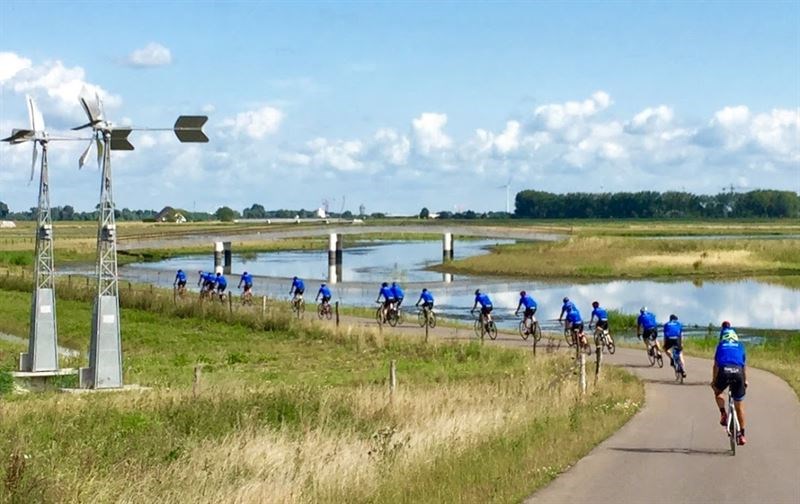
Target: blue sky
{"points": [[404, 105]]}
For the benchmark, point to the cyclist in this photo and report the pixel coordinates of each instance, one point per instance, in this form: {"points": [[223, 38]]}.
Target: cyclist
{"points": [[388, 299], [247, 280], [575, 324], [180, 280], [530, 305], [565, 309], [673, 337], [222, 284], [206, 282], [486, 306], [325, 293], [730, 371], [297, 289], [426, 298], [602, 318], [726, 328], [647, 327], [398, 294]]}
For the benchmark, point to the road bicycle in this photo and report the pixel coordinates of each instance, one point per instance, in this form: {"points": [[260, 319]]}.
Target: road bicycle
{"points": [[180, 290], [676, 363], [324, 310], [602, 338], [247, 297], [426, 316], [484, 326], [393, 315], [298, 306], [571, 341], [733, 427], [528, 326], [654, 353]]}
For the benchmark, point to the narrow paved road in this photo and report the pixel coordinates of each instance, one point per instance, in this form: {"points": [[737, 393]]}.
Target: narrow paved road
{"points": [[674, 450]]}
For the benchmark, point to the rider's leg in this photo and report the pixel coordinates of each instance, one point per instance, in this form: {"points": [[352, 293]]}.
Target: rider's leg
{"points": [[739, 406]]}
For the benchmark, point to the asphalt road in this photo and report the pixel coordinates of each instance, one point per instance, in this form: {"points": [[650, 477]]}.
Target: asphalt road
{"points": [[675, 451]]}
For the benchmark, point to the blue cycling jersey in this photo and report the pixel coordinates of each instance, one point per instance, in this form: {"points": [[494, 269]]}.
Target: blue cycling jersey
{"points": [[528, 302], [567, 307], [647, 320], [426, 297], [483, 300], [247, 279], [221, 281], [673, 329], [324, 291], [397, 292], [297, 284], [600, 313], [209, 277], [574, 316], [730, 353], [725, 331], [180, 276], [387, 293]]}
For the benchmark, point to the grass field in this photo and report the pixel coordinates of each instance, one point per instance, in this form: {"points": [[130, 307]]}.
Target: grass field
{"points": [[288, 411]]}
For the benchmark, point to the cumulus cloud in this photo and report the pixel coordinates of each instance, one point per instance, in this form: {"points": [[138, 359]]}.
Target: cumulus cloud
{"points": [[338, 154], [429, 133], [556, 116], [255, 124], [151, 55]]}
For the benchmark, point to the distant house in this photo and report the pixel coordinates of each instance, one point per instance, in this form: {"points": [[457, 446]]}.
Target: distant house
{"points": [[7, 224], [169, 214]]}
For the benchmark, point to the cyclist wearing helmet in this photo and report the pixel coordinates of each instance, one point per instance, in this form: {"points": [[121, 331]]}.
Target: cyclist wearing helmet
{"points": [[388, 298], [528, 302], [601, 314], [247, 280], [575, 324], [180, 279], [426, 298], [673, 337], [221, 284], [398, 294], [325, 293], [726, 328], [567, 307], [298, 288], [730, 371], [646, 327], [486, 306]]}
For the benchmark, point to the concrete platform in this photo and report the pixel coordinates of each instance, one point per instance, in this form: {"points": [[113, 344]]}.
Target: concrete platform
{"points": [[38, 381], [124, 388], [44, 374]]}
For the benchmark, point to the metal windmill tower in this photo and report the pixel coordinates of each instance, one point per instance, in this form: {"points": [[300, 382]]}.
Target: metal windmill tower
{"points": [[507, 187], [42, 356], [105, 350]]}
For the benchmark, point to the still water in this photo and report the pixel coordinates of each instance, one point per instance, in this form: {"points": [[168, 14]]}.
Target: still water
{"points": [[746, 303]]}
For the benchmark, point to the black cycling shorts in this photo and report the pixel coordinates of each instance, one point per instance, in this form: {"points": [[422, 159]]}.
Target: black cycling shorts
{"points": [[486, 310], [733, 377], [602, 324], [672, 342], [299, 292], [326, 299], [577, 327], [221, 288], [529, 312], [428, 305], [651, 333], [181, 283], [387, 303]]}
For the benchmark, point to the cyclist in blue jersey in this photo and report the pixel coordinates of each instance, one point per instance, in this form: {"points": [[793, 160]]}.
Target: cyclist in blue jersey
{"points": [[530, 305], [398, 294], [206, 282], [180, 280], [222, 284], [247, 280], [388, 298], [576, 324], [486, 306], [325, 293], [647, 327], [566, 307], [673, 337], [602, 319], [426, 298], [726, 328], [730, 370], [297, 289]]}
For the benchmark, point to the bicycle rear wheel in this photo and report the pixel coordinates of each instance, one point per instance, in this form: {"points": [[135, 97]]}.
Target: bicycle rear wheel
{"points": [[612, 347], [537, 332], [651, 355], [523, 329], [659, 359], [732, 427], [328, 311], [431, 319], [320, 311], [478, 328], [392, 318], [492, 329], [421, 318], [379, 315], [568, 337]]}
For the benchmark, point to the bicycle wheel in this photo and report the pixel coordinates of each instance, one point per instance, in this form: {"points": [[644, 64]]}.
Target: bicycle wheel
{"points": [[301, 309], [379, 315], [537, 332], [659, 359], [392, 318], [523, 329], [401, 317], [328, 311], [478, 328], [492, 330], [568, 337], [612, 347], [421, 318], [431, 319], [320, 311], [651, 355], [732, 427]]}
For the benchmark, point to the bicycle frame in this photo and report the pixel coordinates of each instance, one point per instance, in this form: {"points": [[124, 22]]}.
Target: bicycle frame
{"points": [[733, 422]]}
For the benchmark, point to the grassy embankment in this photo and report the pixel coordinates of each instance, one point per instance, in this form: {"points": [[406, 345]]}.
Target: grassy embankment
{"points": [[594, 258], [293, 411]]}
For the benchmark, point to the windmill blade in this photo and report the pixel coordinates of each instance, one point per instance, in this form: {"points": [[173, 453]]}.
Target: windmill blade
{"points": [[33, 161], [189, 129], [34, 116], [119, 139], [91, 107], [85, 155], [99, 151], [19, 136]]}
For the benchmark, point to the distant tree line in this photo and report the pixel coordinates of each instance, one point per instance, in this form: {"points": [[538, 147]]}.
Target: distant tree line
{"points": [[651, 204]]}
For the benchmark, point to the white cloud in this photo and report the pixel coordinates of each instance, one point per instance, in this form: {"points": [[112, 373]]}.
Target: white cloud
{"points": [[11, 64], [151, 55], [255, 124], [428, 133], [339, 154], [560, 115], [392, 146], [651, 119]]}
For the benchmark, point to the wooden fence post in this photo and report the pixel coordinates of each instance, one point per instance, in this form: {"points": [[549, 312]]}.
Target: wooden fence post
{"points": [[337, 313], [426, 330], [598, 363], [392, 377], [582, 373], [230, 303], [263, 307], [198, 368]]}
